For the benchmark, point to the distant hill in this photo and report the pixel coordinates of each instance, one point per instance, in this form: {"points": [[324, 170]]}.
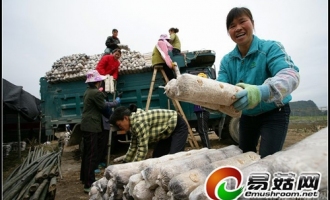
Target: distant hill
{"points": [[305, 108]]}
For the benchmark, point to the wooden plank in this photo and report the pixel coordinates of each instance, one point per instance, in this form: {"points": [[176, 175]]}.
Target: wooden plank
{"points": [[191, 139]]}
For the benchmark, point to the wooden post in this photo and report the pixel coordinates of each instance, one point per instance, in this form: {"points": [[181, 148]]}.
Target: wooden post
{"points": [[40, 132], [110, 131], [19, 134], [191, 138], [151, 87]]}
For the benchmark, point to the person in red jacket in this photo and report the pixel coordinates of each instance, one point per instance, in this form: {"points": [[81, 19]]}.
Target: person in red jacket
{"points": [[109, 64]]}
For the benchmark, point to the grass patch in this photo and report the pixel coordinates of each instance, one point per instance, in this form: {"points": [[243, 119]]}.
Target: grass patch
{"points": [[308, 118]]}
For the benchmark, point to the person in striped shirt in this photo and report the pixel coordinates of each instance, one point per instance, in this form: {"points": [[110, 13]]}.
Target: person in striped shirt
{"points": [[166, 127]]}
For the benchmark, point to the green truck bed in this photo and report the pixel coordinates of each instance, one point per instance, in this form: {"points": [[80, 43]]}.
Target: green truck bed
{"points": [[62, 102]]}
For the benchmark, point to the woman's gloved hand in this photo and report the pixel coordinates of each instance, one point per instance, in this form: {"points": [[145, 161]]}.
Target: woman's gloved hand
{"points": [[120, 94], [118, 100], [251, 96]]}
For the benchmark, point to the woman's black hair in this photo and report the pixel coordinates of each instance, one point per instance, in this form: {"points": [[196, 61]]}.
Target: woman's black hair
{"points": [[237, 12], [175, 30], [132, 107], [91, 84], [117, 50], [119, 114]]}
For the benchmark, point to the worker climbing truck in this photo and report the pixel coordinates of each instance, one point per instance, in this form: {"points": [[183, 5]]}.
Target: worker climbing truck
{"points": [[63, 87]]}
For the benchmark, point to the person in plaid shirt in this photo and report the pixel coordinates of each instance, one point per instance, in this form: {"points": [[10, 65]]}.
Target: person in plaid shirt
{"points": [[166, 127]]}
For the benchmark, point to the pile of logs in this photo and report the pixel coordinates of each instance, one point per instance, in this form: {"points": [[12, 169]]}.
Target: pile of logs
{"points": [[182, 175], [160, 178], [35, 178], [309, 155]]}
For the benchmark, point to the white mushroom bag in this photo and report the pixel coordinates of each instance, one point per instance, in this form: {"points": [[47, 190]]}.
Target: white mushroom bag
{"points": [[109, 84], [208, 93]]}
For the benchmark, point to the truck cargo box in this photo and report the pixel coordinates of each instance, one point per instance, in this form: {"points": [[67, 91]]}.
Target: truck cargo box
{"points": [[62, 102]]}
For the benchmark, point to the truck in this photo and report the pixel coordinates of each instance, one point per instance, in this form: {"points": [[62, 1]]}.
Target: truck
{"points": [[62, 101]]}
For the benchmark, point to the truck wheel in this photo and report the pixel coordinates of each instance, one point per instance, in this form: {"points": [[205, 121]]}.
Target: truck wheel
{"points": [[234, 129]]}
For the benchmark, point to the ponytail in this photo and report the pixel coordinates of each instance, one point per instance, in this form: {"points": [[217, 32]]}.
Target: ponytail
{"points": [[132, 107]]}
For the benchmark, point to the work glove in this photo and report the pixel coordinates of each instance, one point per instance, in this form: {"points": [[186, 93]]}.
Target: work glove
{"points": [[251, 96], [118, 100]]}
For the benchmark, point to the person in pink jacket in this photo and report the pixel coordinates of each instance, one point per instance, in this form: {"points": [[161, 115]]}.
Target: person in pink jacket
{"points": [[160, 55]]}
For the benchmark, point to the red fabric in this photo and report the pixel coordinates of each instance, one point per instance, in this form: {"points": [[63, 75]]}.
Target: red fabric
{"points": [[108, 65]]}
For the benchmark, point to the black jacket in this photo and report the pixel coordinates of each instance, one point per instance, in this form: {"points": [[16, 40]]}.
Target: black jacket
{"points": [[112, 42], [94, 108]]}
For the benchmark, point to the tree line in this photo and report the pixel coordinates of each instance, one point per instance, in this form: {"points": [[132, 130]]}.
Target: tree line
{"points": [[307, 108]]}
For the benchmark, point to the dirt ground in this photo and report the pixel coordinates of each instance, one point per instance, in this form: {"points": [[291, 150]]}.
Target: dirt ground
{"points": [[70, 188]]}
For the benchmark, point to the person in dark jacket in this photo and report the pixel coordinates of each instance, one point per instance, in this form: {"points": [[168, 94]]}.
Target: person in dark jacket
{"points": [[104, 138], [202, 121], [202, 126], [112, 42], [91, 126]]}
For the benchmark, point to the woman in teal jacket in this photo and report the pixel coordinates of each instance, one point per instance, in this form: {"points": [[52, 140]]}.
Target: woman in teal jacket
{"points": [[268, 76]]}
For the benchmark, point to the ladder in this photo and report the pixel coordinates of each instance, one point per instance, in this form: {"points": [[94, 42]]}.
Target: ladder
{"points": [[191, 139]]}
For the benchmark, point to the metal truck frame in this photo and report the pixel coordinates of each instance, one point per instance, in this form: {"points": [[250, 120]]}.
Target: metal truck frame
{"points": [[62, 102]]}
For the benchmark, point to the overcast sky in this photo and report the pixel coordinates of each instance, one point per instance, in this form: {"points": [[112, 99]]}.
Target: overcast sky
{"points": [[37, 33]]}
